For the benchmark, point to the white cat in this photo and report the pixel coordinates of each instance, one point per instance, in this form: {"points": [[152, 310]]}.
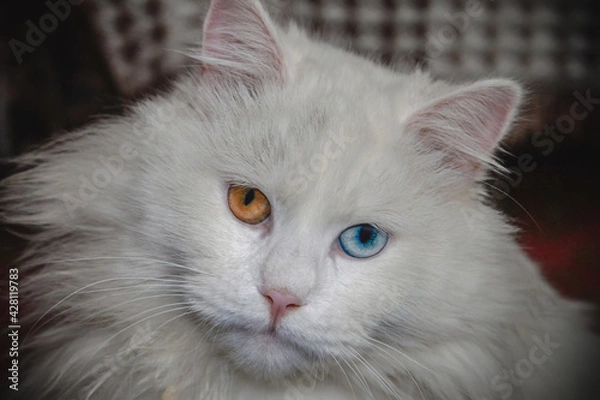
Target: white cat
{"points": [[291, 221]]}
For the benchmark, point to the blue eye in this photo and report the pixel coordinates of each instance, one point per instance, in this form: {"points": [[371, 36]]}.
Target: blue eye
{"points": [[362, 241]]}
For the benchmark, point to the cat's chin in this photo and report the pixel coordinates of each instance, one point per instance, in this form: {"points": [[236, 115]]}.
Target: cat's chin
{"points": [[265, 355]]}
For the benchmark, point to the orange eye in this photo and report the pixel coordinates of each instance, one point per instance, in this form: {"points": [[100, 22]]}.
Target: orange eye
{"points": [[248, 204]]}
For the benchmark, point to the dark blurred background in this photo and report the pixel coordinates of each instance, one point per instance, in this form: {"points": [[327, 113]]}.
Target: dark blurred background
{"points": [[64, 62]]}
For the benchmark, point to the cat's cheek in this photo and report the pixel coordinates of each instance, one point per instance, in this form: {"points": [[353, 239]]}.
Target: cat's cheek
{"points": [[366, 289]]}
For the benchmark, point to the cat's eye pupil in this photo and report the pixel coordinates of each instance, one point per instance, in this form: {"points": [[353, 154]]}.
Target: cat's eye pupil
{"points": [[248, 204], [365, 234], [362, 241], [249, 198]]}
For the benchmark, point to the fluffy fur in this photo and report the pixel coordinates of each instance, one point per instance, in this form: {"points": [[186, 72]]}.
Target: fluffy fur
{"points": [[144, 285]]}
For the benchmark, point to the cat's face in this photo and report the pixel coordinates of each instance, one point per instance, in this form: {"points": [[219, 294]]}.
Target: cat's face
{"points": [[362, 224], [276, 146]]}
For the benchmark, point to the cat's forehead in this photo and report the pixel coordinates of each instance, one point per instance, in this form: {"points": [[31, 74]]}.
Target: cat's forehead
{"points": [[332, 141], [334, 157], [346, 174]]}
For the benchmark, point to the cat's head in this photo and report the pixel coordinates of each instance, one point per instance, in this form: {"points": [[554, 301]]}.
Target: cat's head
{"points": [[324, 207]]}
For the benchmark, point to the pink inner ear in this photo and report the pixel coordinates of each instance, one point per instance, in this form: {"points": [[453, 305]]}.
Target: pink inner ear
{"points": [[470, 123], [500, 104], [239, 40]]}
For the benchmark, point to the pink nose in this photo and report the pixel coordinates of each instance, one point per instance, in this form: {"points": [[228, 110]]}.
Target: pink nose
{"points": [[281, 303]]}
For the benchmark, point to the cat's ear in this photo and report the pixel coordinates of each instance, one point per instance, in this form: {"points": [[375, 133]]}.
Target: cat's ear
{"points": [[240, 42], [467, 125]]}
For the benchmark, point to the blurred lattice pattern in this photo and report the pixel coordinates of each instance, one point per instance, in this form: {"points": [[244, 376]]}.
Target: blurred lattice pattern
{"points": [[537, 40]]}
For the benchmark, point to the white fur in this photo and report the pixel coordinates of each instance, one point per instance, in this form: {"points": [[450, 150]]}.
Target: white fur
{"points": [[148, 286]]}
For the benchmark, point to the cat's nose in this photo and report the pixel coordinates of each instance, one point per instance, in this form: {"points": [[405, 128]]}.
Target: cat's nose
{"points": [[281, 302]]}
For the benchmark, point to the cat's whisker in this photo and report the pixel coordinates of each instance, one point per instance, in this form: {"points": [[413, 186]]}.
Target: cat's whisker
{"points": [[358, 373], [99, 383], [385, 350], [120, 305], [207, 334], [129, 258], [188, 312], [64, 299], [354, 373], [176, 307], [401, 353], [110, 372], [350, 385], [521, 206], [325, 368], [386, 384], [197, 327], [175, 284], [82, 291], [79, 305], [153, 314]]}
